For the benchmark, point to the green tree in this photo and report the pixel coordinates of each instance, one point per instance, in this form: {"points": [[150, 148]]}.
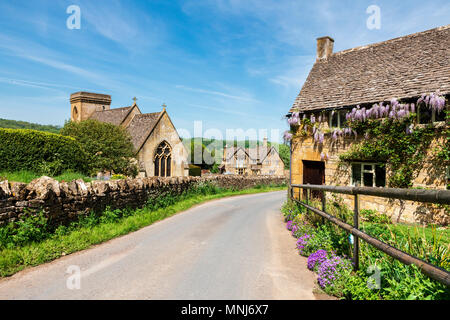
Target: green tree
{"points": [[285, 154], [109, 147]]}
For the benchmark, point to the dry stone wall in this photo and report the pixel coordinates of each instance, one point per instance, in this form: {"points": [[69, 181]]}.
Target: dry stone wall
{"points": [[64, 202]]}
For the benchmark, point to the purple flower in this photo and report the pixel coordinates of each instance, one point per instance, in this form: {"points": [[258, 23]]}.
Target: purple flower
{"points": [[316, 259], [332, 269], [303, 241], [289, 225], [287, 136]]}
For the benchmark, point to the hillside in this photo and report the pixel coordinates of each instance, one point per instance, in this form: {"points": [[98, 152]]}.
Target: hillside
{"points": [[14, 124], [220, 144]]}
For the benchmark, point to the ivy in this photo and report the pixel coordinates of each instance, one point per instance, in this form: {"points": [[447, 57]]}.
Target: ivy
{"points": [[386, 141]]}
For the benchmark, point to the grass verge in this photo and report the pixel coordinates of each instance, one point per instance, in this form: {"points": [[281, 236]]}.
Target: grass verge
{"points": [[27, 176], [83, 236]]}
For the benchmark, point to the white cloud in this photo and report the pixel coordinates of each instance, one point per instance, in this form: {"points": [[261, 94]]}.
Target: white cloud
{"points": [[217, 93]]}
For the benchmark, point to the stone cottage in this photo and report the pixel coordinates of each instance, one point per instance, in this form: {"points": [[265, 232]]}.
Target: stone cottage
{"points": [[394, 78], [158, 147], [261, 160]]}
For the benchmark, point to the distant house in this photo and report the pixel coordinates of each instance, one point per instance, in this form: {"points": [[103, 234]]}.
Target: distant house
{"points": [[159, 150], [262, 160], [344, 83]]}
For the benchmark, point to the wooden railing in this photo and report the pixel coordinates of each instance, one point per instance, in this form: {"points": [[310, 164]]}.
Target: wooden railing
{"points": [[418, 195]]}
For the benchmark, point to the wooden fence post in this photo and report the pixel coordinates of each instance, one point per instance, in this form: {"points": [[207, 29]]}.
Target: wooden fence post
{"points": [[355, 238], [324, 205]]}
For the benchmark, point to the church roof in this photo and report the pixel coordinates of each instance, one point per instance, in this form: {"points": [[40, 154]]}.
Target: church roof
{"points": [[141, 126], [114, 116], [404, 67]]}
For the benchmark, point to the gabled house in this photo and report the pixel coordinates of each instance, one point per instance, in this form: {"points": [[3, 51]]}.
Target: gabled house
{"points": [[403, 79], [158, 147], [262, 160]]}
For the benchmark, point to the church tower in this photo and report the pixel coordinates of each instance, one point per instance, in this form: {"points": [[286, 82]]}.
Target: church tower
{"points": [[84, 104]]}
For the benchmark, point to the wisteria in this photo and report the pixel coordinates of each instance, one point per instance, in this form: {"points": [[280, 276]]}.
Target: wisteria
{"points": [[287, 136], [435, 101], [393, 110]]}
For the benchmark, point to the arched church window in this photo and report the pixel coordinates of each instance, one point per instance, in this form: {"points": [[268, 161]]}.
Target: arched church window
{"points": [[163, 158]]}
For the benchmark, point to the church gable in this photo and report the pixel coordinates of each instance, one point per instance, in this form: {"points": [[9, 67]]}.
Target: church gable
{"points": [[141, 126]]}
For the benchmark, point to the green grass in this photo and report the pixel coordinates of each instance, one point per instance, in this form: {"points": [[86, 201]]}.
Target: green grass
{"points": [[61, 243], [429, 232], [26, 176]]}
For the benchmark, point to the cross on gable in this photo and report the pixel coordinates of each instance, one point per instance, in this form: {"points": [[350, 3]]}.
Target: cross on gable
{"points": [[134, 99]]}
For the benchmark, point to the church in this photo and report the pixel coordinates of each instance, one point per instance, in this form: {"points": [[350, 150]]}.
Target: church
{"points": [[158, 147]]}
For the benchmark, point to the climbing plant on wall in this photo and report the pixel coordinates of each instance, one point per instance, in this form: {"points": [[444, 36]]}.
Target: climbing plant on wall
{"points": [[388, 134]]}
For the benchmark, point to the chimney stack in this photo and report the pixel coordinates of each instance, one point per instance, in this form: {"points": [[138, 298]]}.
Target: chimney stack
{"points": [[324, 48]]}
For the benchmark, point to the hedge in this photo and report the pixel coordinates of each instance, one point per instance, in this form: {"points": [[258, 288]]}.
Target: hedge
{"points": [[25, 149]]}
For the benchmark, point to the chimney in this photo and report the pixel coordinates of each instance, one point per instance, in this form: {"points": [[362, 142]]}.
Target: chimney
{"points": [[324, 48]]}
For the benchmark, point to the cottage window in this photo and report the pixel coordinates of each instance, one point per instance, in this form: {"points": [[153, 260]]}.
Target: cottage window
{"points": [[368, 175], [337, 119], [426, 115], [163, 160]]}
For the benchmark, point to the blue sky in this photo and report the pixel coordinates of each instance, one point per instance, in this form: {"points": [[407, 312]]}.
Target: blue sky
{"points": [[229, 63]]}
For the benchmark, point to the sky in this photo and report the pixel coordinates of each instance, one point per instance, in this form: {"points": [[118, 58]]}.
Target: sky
{"points": [[231, 64]]}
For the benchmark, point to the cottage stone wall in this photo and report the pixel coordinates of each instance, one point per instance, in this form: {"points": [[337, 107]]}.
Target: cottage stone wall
{"points": [[63, 202], [432, 176]]}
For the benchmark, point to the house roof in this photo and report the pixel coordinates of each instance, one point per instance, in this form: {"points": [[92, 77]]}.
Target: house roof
{"points": [[404, 67], [141, 126], [259, 153], [114, 116]]}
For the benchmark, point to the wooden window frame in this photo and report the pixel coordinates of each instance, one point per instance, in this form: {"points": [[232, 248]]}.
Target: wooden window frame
{"points": [[363, 170]]}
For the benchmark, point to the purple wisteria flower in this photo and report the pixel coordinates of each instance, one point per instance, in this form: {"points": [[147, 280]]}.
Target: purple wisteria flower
{"points": [[287, 136], [316, 259]]}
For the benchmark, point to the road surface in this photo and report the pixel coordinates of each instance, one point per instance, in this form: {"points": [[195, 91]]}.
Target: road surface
{"points": [[234, 248]]}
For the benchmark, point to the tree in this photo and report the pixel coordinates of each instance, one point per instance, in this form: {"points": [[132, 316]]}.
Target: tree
{"points": [[109, 147], [285, 155]]}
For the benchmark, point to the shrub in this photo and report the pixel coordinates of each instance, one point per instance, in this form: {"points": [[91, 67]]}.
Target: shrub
{"points": [[356, 288], [29, 229], [375, 217], [118, 177], [41, 152], [109, 147]]}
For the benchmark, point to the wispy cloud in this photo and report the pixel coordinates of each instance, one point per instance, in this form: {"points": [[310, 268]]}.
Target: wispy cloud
{"points": [[35, 84], [123, 23], [217, 93]]}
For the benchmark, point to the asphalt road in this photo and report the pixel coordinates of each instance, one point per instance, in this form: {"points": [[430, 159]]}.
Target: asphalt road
{"points": [[235, 248]]}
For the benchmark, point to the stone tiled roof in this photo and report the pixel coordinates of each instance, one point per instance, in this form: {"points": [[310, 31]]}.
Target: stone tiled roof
{"points": [[259, 153], [140, 128], [404, 67], [114, 116]]}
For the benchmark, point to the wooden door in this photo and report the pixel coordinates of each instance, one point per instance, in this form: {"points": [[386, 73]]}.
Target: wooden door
{"points": [[314, 173]]}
